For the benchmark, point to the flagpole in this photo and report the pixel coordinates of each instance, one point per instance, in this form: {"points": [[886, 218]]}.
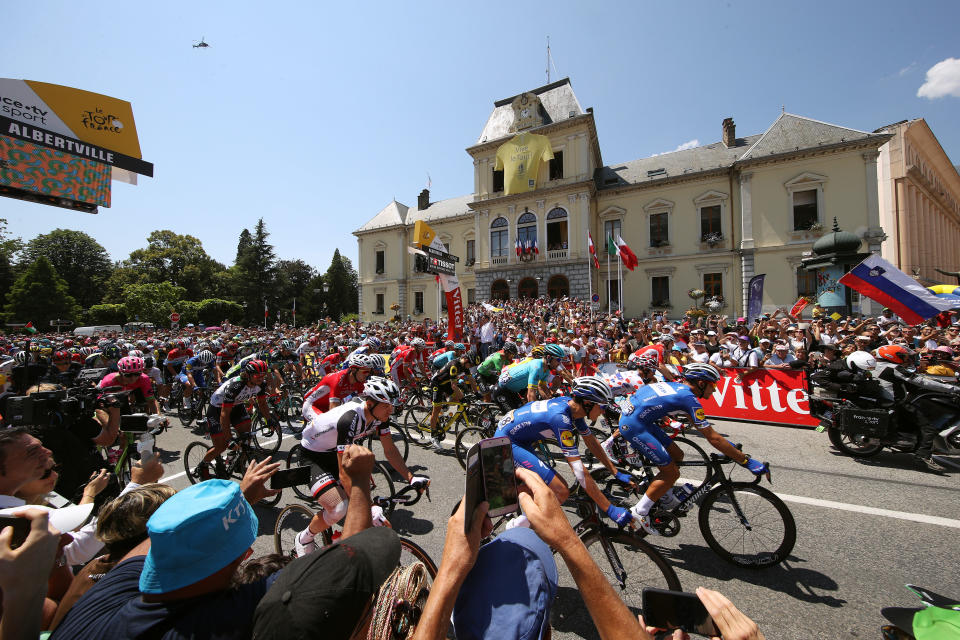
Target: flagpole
{"points": [[609, 303], [620, 285], [294, 313], [590, 283]]}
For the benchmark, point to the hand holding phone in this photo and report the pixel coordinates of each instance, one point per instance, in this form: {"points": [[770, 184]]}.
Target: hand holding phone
{"points": [[665, 609], [490, 477], [293, 477]]}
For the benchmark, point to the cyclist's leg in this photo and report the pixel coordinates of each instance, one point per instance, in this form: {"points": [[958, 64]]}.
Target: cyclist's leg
{"points": [[219, 434], [440, 394], [655, 445], [187, 389], [328, 493], [528, 460]]}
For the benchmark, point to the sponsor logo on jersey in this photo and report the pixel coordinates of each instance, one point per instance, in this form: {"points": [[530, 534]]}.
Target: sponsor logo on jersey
{"points": [[566, 438], [700, 414]]}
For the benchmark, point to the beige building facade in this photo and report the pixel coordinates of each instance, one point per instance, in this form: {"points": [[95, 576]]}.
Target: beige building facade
{"points": [[919, 203], [711, 217]]}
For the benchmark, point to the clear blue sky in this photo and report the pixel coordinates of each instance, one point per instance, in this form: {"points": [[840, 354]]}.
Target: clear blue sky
{"points": [[314, 115]]}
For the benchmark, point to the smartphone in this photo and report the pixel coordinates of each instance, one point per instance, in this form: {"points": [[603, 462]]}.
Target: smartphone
{"points": [[21, 529], [499, 477], [665, 609], [134, 423], [292, 477], [473, 486]]}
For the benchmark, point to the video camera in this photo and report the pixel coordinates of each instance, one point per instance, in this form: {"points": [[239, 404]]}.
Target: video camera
{"points": [[38, 408]]}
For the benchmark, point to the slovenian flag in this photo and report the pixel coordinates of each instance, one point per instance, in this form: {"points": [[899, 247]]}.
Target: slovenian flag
{"points": [[881, 281], [629, 258]]}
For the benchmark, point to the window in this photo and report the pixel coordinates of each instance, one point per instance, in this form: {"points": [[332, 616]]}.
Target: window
{"points": [[471, 296], [418, 302], [380, 261], [710, 228], [659, 236], [500, 290], [471, 252], [527, 288], [659, 291], [713, 285], [556, 166], [498, 237], [556, 229], [379, 310], [443, 300], [614, 294], [558, 286], [497, 181], [804, 209], [611, 229], [806, 282], [527, 233]]}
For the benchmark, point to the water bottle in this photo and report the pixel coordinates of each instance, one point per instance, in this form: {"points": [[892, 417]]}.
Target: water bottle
{"points": [[145, 447], [681, 493]]}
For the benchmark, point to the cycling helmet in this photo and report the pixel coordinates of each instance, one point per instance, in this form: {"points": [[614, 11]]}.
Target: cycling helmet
{"points": [[362, 360], [255, 367], [378, 362], [374, 343], [142, 344], [592, 389], [382, 390], [861, 360], [313, 341], [62, 357], [701, 371], [418, 343], [510, 347], [895, 353], [46, 351], [67, 343], [148, 362], [449, 344], [288, 345], [35, 347], [205, 357], [232, 346], [459, 347], [130, 365], [136, 353], [21, 357], [555, 350], [86, 351], [538, 351], [472, 356], [111, 352]]}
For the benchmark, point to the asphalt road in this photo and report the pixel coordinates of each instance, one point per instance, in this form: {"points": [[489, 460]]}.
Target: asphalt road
{"points": [[864, 529]]}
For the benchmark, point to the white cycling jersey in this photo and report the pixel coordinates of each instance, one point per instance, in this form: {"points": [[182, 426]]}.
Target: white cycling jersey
{"points": [[339, 427]]}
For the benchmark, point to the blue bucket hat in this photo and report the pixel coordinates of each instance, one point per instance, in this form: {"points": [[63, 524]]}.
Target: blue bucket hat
{"points": [[507, 594], [196, 533]]}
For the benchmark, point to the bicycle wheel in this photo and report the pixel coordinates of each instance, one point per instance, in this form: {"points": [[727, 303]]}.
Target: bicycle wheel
{"points": [[291, 521], [292, 411], [466, 439], [417, 425], [772, 530], [695, 466], [192, 457], [184, 414], [638, 564], [296, 458], [381, 487], [265, 437], [411, 552], [399, 436]]}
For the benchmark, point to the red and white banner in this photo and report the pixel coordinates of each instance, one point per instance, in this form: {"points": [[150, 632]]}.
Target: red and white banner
{"points": [[800, 305], [775, 396]]}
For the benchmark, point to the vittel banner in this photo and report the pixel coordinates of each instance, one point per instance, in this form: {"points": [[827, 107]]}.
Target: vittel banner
{"points": [[776, 396]]}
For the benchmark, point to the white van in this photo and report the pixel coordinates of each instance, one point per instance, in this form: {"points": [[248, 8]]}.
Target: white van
{"points": [[97, 330]]}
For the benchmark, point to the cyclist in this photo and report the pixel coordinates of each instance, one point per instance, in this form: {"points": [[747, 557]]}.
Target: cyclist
{"points": [[225, 360], [639, 427], [129, 377], [556, 418], [445, 383], [489, 370], [330, 362], [445, 358], [195, 373], [405, 361], [228, 408], [64, 370], [531, 374], [283, 360], [447, 346], [338, 386], [324, 440]]}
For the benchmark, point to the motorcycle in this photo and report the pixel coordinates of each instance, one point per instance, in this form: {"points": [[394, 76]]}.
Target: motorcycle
{"points": [[939, 617], [862, 426]]}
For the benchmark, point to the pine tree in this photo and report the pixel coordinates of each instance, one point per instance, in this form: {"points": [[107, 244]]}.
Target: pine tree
{"points": [[40, 295], [342, 297], [257, 273]]}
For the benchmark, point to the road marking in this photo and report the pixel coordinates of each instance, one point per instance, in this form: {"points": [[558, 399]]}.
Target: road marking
{"points": [[183, 473]]}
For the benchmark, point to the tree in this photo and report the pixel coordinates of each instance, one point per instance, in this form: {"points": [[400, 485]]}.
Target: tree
{"points": [[40, 295], [243, 244], [106, 314], [293, 282], [152, 302], [9, 247], [177, 259], [342, 280], [77, 258], [257, 272], [120, 277]]}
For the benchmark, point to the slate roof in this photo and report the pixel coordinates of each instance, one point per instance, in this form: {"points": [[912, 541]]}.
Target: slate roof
{"points": [[558, 101], [395, 213], [390, 216], [790, 132]]}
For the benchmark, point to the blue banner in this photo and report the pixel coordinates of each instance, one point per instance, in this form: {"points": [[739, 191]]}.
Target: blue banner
{"points": [[755, 299]]}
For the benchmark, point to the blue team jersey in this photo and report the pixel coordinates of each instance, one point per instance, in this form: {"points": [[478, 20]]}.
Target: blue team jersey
{"points": [[652, 402], [543, 419], [443, 359], [522, 375], [193, 365]]}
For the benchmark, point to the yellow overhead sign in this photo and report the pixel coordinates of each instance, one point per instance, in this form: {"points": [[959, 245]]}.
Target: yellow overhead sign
{"points": [[423, 235]]}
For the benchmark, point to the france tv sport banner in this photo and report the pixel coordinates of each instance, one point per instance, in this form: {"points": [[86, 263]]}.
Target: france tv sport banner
{"points": [[48, 172], [81, 123]]}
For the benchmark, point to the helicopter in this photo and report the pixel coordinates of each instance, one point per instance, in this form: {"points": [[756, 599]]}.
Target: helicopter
{"points": [[201, 44]]}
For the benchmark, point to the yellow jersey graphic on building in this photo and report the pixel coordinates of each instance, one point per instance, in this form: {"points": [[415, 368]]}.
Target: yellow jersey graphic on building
{"points": [[520, 159]]}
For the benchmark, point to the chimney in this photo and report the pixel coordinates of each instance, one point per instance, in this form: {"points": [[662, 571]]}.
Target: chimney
{"points": [[423, 200], [729, 133]]}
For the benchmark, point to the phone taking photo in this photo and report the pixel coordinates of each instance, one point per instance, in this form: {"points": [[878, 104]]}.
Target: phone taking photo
{"points": [[490, 476], [21, 529], [293, 477], [665, 609]]}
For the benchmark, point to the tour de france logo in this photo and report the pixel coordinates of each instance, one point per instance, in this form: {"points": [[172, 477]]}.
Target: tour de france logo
{"points": [[97, 120]]}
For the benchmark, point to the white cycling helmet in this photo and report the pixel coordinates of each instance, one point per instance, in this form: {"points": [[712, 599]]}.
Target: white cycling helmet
{"points": [[205, 357], [382, 390], [861, 361], [592, 389]]}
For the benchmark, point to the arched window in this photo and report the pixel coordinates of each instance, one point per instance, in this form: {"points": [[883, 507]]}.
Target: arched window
{"points": [[498, 237], [527, 288], [558, 286], [527, 233], [500, 290], [557, 229]]}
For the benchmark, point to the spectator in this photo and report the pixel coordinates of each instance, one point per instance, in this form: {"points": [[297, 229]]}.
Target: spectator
{"points": [[781, 358]]}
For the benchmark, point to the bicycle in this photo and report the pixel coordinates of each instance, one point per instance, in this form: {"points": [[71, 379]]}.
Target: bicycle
{"points": [[233, 465], [466, 413], [745, 524], [294, 518], [400, 439], [381, 482], [267, 437], [198, 401]]}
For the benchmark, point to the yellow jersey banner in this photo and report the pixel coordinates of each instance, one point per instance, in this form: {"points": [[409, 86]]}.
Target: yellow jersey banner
{"points": [[423, 234], [520, 159]]}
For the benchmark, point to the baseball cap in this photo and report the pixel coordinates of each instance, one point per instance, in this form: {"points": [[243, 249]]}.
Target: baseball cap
{"points": [[195, 533], [327, 591], [711, 333], [762, 340], [507, 594], [747, 338]]}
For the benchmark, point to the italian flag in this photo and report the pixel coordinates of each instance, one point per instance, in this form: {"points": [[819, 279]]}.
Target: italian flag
{"points": [[29, 328], [629, 258], [593, 250]]}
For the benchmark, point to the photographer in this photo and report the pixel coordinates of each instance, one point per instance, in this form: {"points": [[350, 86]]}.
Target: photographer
{"points": [[131, 379]]}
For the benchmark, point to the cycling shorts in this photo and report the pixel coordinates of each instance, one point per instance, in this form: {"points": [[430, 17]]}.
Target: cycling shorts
{"points": [[649, 441], [441, 392], [238, 417], [507, 399], [324, 470], [529, 460], [198, 378]]}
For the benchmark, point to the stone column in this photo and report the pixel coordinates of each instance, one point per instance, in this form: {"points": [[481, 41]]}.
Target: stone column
{"points": [[541, 230], [483, 237], [511, 235], [402, 277], [874, 234], [583, 151], [360, 271], [476, 179], [746, 238]]}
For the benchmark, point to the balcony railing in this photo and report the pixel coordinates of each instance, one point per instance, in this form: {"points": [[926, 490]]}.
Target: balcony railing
{"points": [[557, 254], [498, 260]]}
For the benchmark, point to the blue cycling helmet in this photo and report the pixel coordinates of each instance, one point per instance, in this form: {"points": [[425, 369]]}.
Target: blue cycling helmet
{"points": [[701, 371], [555, 350], [459, 347]]}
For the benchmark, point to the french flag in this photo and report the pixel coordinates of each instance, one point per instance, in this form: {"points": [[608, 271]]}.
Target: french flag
{"points": [[881, 281]]}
